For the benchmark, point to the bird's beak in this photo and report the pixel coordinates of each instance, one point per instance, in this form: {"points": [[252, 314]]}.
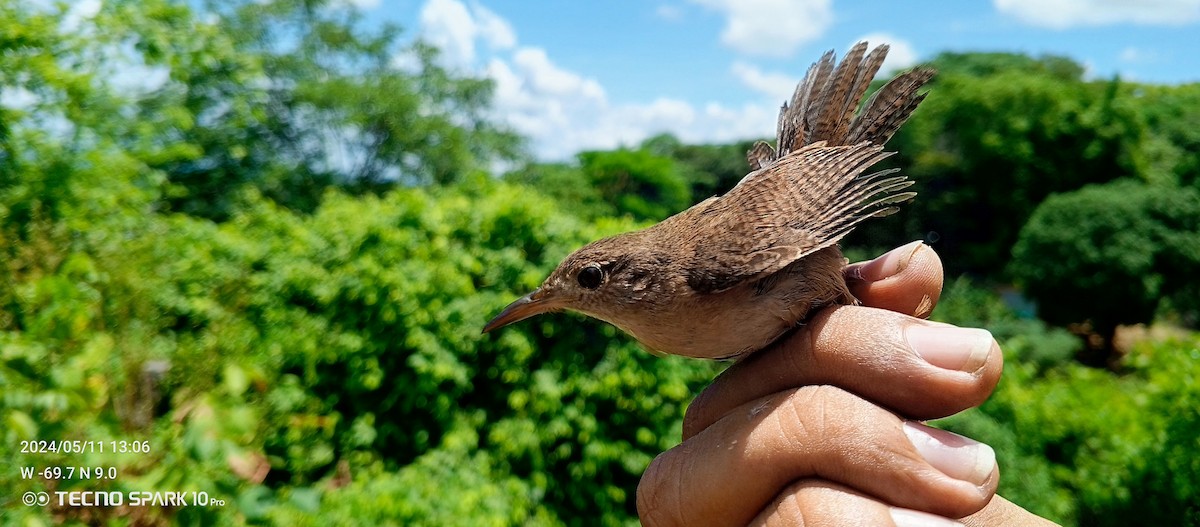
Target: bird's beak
{"points": [[534, 303]]}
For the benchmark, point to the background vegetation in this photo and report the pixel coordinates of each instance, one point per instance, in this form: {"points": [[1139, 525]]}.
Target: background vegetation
{"points": [[273, 266]]}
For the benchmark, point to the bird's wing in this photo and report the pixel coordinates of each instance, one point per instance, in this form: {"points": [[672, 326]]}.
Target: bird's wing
{"points": [[889, 107], [808, 191], [802, 203], [822, 109]]}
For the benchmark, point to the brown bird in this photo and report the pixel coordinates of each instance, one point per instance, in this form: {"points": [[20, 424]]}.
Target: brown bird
{"points": [[733, 273]]}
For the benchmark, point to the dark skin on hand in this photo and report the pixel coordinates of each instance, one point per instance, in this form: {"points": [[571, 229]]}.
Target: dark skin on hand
{"points": [[823, 428]]}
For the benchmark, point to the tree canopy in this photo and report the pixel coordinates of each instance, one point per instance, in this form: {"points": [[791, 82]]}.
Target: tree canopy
{"points": [[997, 135]]}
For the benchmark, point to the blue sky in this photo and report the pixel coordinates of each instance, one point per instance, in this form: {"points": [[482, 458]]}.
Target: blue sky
{"points": [[575, 75]]}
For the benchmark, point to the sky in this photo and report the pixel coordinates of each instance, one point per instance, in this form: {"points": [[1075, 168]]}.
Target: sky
{"points": [[573, 75]]}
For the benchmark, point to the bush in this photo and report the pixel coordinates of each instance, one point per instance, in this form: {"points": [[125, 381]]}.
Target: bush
{"points": [[637, 182], [1079, 445], [1083, 446], [1108, 254], [325, 363]]}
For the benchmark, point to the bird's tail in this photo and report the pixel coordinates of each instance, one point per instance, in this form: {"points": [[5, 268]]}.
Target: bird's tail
{"points": [[824, 103]]}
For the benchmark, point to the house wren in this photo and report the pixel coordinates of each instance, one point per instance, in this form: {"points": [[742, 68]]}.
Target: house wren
{"points": [[733, 273]]}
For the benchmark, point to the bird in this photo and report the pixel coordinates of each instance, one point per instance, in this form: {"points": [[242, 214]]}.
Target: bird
{"points": [[733, 273]]}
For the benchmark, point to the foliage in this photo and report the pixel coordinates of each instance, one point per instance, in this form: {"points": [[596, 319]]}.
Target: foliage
{"points": [[566, 184], [1173, 149], [635, 183], [348, 338], [289, 97], [711, 170], [1026, 339], [290, 363], [986, 147], [1109, 254], [313, 357], [1086, 446], [984, 64]]}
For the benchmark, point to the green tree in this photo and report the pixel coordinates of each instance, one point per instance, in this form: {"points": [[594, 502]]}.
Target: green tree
{"points": [[567, 184], [291, 97], [711, 170], [323, 365], [338, 354], [650, 183], [985, 64], [1173, 147], [1108, 255], [1081, 445], [637, 182], [993, 139]]}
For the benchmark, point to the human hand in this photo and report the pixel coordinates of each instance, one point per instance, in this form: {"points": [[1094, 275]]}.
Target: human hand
{"points": [[819, 429]]}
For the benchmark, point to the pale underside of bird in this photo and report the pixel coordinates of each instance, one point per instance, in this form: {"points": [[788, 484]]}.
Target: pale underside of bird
{"points": [[733, 273]]}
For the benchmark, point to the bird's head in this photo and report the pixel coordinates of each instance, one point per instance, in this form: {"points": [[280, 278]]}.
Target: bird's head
{"points": [[604, 279]]}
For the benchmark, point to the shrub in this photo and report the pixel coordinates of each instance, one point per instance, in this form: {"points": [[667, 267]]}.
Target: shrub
{"points": [[1108, 254]]}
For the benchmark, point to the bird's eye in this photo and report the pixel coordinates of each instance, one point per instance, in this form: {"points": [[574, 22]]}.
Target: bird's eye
{"points": [[590, 277]]}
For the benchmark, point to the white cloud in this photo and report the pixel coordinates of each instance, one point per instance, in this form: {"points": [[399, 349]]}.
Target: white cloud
{"points": [[545, 78], [1137, 55], [77, 14], [771, 27], [670, 13], [454, 28], [563, 112], [901, 54], [776, 86], [448, 25], [492, 28], [750, 121], [17, 98], [1061, 14]]}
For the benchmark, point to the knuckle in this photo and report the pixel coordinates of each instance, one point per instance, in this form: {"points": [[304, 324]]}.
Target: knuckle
{"points": [[807, 502], [696, 416], [809, 415], [793, 500], [787, 510], [658, 493], [838, 340], [801, 353]]}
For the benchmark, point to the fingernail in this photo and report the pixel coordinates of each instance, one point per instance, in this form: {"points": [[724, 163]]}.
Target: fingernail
{"points": [[956, 456], [950, 347], [911, 518], [887, 265]]}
